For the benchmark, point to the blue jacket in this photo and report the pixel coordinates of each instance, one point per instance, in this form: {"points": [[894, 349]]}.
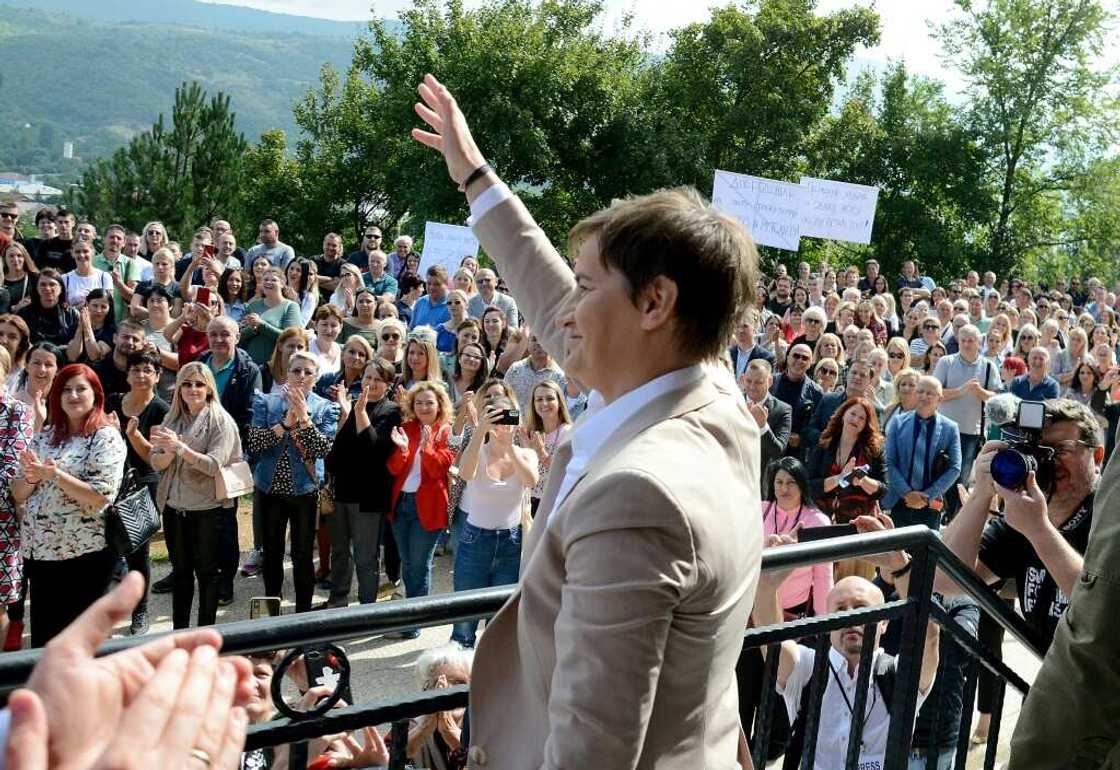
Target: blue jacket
{"points": [[269, 410], [900, 456]]}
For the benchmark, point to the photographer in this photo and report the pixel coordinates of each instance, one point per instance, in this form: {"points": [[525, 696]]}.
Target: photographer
{"points": [[1041, 536]]}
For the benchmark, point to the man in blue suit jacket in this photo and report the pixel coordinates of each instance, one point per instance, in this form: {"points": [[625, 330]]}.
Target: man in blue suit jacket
{"points": [[917, 493], [745, 350]]}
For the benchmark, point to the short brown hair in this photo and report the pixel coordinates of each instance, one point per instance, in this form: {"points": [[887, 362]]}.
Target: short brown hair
{"points": [[676, 233]]}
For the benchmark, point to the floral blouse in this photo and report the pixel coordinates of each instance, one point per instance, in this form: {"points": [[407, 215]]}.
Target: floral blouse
{"points": [[55, 526]]}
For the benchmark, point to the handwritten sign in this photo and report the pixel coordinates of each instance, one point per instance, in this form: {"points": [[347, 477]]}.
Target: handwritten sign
{"points": [[838, 210], [446, 245], [770, 209]]}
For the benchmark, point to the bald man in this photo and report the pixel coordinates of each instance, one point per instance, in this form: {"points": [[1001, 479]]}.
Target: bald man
{"points": [[795, 663]]}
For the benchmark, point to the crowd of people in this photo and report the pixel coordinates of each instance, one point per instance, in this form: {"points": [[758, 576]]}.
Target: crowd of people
{"points": [[383, 413]]}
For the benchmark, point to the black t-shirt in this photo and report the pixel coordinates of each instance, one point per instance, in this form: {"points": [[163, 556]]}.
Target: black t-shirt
{"points": [[153, 414], [1009, 554], [778, 307], [113, 380], [53, 253], [20, 288], [908, 283], [359, 258], [329, 268]]}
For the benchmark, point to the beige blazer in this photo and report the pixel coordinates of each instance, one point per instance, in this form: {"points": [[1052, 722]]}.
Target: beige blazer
{"points": [[619, 648]]}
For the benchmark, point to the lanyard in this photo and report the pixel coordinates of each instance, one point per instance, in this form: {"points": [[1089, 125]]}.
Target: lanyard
{"points": [[851, 710], [774, 511]]}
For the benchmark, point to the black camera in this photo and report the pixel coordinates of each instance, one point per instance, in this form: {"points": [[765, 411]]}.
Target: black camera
{"points": [[1025, 452], [508, 417]]}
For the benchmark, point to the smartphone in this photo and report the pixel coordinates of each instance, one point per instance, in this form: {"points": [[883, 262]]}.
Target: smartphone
{"points": [[264, 606], [202, 296], [209, 250], [509, 417], [809, 534], [321, 672]]}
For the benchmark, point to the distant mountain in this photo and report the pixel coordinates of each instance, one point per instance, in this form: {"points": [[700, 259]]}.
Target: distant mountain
{"points": [[81, 71], [194, 13]]}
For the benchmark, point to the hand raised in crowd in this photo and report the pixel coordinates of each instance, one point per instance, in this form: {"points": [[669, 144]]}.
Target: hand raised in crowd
{"points": [[771, 580], [879, 522], [982, 483], [345, 751], [342, 396], [113, 420], [202, 314], [425, 436], [401, 393], [84, 319], [400, 438], [363, 400], [172, 695], [450, 134], [470, 409], [759, 412], [251, 320], [30, 467], [132, 430]]}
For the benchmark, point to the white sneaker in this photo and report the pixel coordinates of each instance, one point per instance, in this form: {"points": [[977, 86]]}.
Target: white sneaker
{"points": [[398, 589]]}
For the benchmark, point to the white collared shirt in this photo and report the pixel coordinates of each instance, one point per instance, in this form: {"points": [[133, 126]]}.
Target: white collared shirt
{"points": [[835, 716], [601, 420]]}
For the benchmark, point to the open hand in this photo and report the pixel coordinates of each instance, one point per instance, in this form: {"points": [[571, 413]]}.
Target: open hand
{"points": [[450, 133], [1025, 509], [400, 438]]}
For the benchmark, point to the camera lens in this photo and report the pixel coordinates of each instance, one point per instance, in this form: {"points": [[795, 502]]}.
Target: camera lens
{"points": [[1010, 468]]}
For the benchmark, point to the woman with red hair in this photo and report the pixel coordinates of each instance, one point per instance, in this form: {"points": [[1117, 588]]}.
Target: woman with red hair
{"points": [[66, 481], [848, 470]]}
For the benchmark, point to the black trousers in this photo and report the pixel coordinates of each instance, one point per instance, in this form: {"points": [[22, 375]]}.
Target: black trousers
{"points": [[229, 548], [300, 512], [748, 675], [62, 590], [990, 634], [392, 555], [192, 543]]}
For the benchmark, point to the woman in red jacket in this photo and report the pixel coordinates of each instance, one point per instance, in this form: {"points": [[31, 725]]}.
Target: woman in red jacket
{"points": [[420, 465]]}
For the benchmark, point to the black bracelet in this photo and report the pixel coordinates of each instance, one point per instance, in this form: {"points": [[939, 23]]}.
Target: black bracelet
{"points": [[897, 573], [474, 176]]}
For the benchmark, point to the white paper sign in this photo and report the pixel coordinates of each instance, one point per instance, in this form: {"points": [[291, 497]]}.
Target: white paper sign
{"points": [[838, 210], [446, 245], [771, 210]]}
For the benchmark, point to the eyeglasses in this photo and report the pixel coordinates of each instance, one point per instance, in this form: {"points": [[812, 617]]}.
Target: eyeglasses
{"points": [[141, 370], [387, 337], [814, 321], [1068, 445], [192, 384], [300, 371], [472, 356]]}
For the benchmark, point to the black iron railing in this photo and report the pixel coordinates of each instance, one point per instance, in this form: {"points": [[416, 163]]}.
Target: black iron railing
{"points": [[914, 612]]}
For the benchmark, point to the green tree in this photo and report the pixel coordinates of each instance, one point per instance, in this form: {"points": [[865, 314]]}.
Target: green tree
{"points": [[1038, 105], [898, 132], [184, 174]]}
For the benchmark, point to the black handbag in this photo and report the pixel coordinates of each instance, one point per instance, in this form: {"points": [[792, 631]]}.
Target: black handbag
{"points": [[133, 519]]}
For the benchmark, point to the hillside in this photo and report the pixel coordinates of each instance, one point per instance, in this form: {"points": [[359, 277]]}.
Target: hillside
{"points": [[97, 83]]}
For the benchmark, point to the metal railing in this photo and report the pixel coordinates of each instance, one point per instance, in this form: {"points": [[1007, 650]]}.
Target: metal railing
{"points": [[920, 607]]}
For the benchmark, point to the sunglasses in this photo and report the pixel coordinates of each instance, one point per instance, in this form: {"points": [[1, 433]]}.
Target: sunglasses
{"points": [[8, 215], [387, 337], [833, 372], [799, 357], [192, 384], [931, 327], [373, 236], [896, 356]]}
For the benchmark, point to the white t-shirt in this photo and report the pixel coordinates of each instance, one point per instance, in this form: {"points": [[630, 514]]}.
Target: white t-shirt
{"points": [[492, 504], [78, 286], [836, 716], [329, 361]]}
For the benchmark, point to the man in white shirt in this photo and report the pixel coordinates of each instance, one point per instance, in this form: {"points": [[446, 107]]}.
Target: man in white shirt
{"points": [[795, 662]]}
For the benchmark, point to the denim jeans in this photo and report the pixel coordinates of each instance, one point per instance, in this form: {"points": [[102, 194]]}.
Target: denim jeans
{"points": [[417, 546], [485, 558], [458, 518], [358, 531], [944, 760]]}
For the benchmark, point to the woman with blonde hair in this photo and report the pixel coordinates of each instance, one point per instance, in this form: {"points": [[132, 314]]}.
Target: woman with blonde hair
{"points": [[463, 281], [420, 464], [898, 356], [905, 395], [1027, 340], [19, 272], [545, 424], [447, 333], [1068, 360], [829, 346], [391, 346], [195, 441], [421, 359], [349, 282], [267, 317], [155, 238]]}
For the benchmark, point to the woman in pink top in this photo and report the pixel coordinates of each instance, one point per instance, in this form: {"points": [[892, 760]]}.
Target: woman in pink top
{"points": [[805, 592]]}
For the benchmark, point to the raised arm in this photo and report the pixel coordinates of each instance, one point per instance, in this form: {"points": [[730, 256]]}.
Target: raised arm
{"points": [[536, 273]]}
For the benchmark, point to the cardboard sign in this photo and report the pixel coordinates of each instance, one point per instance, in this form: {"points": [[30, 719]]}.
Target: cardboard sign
{"points": [[770, 209], [840, 211], [446, 245]]}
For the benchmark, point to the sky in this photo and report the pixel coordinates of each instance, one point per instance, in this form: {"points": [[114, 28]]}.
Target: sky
{"points": [[905, 33]]}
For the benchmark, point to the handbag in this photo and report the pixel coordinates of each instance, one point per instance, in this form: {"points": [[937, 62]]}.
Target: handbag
{"points": [[233, 481], [132, 519], [325, 500]]}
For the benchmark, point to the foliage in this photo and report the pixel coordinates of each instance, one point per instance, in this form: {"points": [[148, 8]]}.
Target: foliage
{"points": [[184, 174], [1039, 106]]}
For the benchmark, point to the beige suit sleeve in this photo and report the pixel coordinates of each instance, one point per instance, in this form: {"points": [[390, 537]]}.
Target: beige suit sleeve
{"points": [[536, 274], [625, 575]]}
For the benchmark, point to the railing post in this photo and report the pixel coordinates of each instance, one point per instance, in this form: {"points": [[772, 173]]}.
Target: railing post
{"points": [[905, 698], [765, 711], [398, 745], [994, 725]]}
